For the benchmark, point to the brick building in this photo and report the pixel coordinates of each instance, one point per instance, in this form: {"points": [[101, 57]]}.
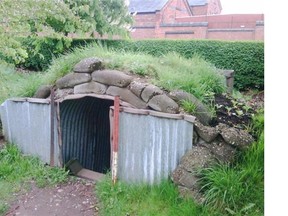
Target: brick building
{"points": [[192, 19]]}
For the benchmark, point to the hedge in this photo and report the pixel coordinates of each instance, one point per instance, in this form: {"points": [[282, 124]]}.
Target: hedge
{"points": [[246, 58]]}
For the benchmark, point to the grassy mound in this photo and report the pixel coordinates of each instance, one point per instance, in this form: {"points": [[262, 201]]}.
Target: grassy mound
{"points": [[170, 72]]}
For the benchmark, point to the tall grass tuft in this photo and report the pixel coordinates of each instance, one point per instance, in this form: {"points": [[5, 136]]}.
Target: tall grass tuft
{"points": [[170, 71], [17, 84], [238, 188], [142, 199]]}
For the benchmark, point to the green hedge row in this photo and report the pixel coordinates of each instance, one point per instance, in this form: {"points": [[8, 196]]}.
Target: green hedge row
{"points": [[245, 58]]}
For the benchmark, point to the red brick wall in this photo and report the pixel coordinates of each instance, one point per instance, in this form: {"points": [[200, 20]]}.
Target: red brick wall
{"points": [[199, 10], [231, 35], [173, 9], [176, 13], [184, 32], [259, 33], [142, 33], [214, 7], [145, 19]]}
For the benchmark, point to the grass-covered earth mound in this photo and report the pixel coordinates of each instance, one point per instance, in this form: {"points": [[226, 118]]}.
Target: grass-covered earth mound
{"points": [[170, 72], [232, 189]]}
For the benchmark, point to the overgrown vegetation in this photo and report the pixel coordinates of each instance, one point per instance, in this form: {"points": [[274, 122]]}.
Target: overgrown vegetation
{"points": [[238, 188], [141, 199], [17, 170], [170, 72], [245, 58], [234, 189], [230, 189], [13, 83]]}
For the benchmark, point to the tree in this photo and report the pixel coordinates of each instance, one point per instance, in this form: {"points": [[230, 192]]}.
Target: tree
{"points": [[105, 16], [57, 18]]}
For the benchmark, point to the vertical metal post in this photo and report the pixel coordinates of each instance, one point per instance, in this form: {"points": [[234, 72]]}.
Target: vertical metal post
{"points": [[115, 139], [52, 112]]}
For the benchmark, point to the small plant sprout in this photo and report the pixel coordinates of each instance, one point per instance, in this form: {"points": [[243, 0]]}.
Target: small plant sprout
{"points": [[239, 112], [189, 107], [246, 108], [228, 110], [218, 106]]}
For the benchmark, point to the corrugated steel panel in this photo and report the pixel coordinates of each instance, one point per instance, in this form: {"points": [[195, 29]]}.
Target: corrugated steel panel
{"points": [[27, 124], [150, 147], [86, 132]]}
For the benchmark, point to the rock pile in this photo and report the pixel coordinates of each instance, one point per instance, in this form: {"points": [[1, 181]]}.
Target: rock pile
{"points": [[211, 145], [90, 76]]}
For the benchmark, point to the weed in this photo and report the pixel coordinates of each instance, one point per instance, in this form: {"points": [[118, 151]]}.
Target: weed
{"points": [[189, 107], [142, 199], [171, 72], [16, 170], [238, 188]]}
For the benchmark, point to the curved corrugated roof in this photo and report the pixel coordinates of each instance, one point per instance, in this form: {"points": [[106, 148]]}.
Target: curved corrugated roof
{"points": [[197, 2], [145, 6]]}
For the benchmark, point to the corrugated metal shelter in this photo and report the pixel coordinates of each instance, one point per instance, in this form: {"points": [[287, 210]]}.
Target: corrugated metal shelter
{"points": [[81, 127]]}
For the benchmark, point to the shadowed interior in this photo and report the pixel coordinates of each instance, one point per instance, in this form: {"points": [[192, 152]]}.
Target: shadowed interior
{"points": [[85, 133]]}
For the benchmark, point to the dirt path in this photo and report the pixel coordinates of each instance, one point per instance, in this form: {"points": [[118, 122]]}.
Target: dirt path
{"points": [[77, 197]]}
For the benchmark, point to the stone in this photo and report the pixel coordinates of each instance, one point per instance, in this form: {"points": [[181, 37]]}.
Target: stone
{"points": [[43, 92], [195, 194], [88, 65], [196, 158], [112, 77], [60, 93], [126, 95], [195, 137], [229, 75], [91, 87], [137, 88], [208, 134], [150, 91], [184, 178], [72, 79], [202, 112], [221, 150], [235, 137], [163, 103]]}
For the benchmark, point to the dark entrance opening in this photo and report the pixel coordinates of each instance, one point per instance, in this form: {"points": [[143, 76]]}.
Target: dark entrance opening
{"points": [[85, 132]]}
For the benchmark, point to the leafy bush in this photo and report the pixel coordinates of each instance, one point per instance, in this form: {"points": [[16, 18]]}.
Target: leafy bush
{"points": [[245, 58], [42, 50]]}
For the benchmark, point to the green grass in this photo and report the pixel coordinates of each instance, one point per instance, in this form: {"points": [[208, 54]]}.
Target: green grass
{"points": [[170, 72], [17, 170], [16, 84], [234, 189], [238, 188], [141, 199]]}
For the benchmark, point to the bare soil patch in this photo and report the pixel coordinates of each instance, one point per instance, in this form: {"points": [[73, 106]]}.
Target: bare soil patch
{"points": [[76, 197], [237, 113]]}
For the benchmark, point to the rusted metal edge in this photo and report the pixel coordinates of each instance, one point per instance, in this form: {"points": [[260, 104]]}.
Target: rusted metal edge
{"points": [[166, 115], [60, 159], [104, 97], [185, 117], [111, 120], [189, 118], [115, 139], [52, 112], [134, 111], [31, 100]]}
